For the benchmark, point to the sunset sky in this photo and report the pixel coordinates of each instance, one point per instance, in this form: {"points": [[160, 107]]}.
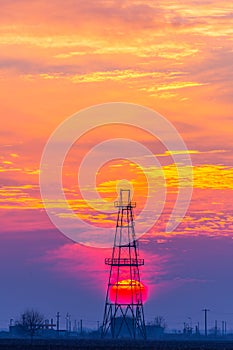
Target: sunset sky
{"points": [[59, 57]]}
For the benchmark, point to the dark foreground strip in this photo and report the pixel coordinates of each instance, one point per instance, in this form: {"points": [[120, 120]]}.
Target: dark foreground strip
{"points": [[22, 344]]}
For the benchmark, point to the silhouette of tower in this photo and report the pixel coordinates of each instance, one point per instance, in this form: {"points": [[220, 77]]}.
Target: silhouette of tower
{"points": [[123, 313]]}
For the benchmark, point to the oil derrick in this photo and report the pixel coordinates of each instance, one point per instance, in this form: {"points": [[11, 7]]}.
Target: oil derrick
{"points": [[123, 313]]}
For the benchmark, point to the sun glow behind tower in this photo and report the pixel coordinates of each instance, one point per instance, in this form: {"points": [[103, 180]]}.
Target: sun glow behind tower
{"points": [[125, 289]]}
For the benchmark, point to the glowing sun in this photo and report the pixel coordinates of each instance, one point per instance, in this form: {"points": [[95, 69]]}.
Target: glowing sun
{"points": [[128, 291]]}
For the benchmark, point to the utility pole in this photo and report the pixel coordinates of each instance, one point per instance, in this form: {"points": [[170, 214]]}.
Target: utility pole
{"points": [[68, 323], [75, 328], [81, 327], [224, 327], [216, 328], [205, 312], [58, 322]]}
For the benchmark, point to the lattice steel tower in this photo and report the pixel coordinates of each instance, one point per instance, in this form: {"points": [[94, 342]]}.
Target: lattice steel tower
{"points": [[123, 313]]}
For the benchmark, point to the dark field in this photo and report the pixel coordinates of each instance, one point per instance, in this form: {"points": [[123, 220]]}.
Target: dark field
{"points": [[22, 344]]}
